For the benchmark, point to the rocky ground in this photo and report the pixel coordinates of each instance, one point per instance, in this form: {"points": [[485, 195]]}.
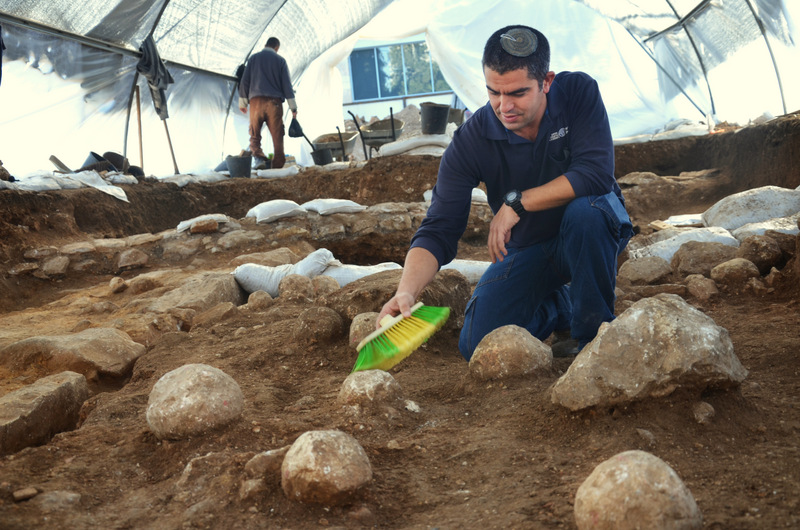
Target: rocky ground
{"points": [[495, 454]]}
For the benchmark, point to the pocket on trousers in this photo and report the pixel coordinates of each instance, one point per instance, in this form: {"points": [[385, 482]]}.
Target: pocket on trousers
{"points": [[497, 271], [615, 213]]}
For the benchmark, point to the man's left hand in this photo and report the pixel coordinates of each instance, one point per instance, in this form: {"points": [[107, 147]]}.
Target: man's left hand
{"points": [[500, 232]]}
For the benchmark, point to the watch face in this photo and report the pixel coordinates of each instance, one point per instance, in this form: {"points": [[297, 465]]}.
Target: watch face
{"points": [[511, 196]]}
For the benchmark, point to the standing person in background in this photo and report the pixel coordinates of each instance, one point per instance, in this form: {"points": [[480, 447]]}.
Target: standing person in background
{"points": [[542, 145], [264, 86]]}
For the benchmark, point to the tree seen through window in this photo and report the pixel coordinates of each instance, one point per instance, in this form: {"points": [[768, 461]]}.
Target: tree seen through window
{"points": [[395, 71]]}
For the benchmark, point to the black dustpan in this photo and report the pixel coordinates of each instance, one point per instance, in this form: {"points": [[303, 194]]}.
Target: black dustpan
{"points": [[295, 131]]}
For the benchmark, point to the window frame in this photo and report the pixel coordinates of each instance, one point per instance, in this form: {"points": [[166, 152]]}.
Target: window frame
{"points": [[377, 73]]}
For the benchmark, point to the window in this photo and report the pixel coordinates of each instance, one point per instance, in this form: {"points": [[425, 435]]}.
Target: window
{"points": [[395, 71]]}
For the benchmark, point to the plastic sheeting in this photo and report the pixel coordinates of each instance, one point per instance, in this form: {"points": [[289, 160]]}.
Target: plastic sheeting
{"points": [[69, 70]]}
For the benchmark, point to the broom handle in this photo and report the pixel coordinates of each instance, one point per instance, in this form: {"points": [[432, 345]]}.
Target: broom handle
{"points": [[386, 322]]}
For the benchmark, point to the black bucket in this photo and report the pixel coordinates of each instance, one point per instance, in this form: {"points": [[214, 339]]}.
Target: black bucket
{"points": [[434, 117], [95, 162], [239, 166], [322, 156]]}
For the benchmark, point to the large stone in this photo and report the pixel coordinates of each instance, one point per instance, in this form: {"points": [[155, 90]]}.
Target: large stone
{"points": [[130, 259], [656, 346], [325, 467], [216, 314], [449, 288], [33, 414], [94, 352], [318, 324], [361, 326], [635, 490], [240, 238], [259, 301], [324, 285], [201, 292], [193, 399], [644, 271], [666, 247], [296, 288], [55, 267], [735, 272], [700, 287], [699, 257], [369, 389], [752, 206], [267, 464], [763, 251], [272, 258], [509, 351], [181, 249]]}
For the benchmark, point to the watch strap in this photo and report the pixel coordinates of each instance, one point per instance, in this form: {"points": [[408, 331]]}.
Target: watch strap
{"points": [[516, 204]]}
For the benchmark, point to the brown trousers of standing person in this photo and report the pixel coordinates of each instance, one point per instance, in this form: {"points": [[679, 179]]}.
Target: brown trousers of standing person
{"points": [[269, 111]]}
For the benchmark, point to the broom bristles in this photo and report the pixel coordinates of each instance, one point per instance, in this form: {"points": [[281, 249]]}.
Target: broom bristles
{"points": [[389, 346]]}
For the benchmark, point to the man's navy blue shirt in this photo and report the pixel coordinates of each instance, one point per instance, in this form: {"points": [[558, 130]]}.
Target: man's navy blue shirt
{"points": [[574, 139]]}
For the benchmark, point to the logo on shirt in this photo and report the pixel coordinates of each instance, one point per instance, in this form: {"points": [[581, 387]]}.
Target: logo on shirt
{"points": [[561, 133]]}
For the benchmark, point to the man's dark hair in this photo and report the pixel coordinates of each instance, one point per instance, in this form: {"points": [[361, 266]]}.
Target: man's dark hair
{"points": [[273, 42], [497, 58]]}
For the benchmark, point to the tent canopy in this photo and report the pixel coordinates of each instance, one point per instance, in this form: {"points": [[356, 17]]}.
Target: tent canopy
{"points": [[69, 69]]}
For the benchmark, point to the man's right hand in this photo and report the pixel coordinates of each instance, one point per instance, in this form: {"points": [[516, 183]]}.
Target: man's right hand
{"points": [[399, 304], [500, 232]]}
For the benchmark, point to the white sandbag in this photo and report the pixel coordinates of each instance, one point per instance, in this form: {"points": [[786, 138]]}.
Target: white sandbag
{"points": [[401, 146], [94, 180], [39, 182], [685, 219], [667, 247], [427, 150], [471, 269], [478, 195], [335, 166], [331, 206], [784, 225], [269, 211], [345, 274], [179, 180], [287, 171], [66, 183], [208, 178], [218, 217], [121, 178], [313, 264], [753, 206], [253, 277]]}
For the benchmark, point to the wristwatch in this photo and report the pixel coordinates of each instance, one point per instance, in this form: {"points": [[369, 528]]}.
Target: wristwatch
{"points": [[514, 199]]}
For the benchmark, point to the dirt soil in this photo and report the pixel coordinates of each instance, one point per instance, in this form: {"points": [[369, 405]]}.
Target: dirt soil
{"points": [[491, 455]]}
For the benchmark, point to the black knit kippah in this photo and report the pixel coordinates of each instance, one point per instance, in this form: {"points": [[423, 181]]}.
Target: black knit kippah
{"points": [[519, 42]]}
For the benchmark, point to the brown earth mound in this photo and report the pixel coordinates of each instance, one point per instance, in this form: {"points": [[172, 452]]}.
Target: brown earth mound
{"points": [[494, 455]]}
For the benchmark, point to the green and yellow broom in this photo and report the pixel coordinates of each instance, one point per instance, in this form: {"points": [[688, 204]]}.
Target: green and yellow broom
{"points": [[399, 336]]}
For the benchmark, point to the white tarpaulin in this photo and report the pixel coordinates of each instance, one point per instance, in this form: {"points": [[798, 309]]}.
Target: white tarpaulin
{"points": [[69, 69]]}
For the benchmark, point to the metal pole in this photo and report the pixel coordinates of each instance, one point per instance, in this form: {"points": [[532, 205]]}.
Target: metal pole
{"points": [[139, 121], [771, 55], [666, 73], [172, 152]]}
